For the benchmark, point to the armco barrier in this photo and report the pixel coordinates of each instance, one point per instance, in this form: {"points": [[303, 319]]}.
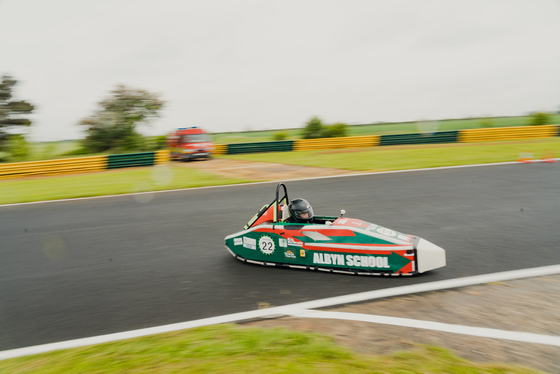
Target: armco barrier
{"points": [[329, 143], [279, 146], [82, 164], [220, 149], [507, 133], [162, 156], [130, 160], [438, 137], [52, 167]]}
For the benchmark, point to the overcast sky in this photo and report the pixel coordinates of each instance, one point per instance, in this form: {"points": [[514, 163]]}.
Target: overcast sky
{"points": [[233, 65]]}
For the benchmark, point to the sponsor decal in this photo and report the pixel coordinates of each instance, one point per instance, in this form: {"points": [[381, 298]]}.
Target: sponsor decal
{"points": [[328, 259], [380, 262], [249, 243], [282, 242], [342, 221], [294, 242], [289, 254], [302, 252], [384, 231], [238, 241], [367, 261], [372, 227], [266, 245]]}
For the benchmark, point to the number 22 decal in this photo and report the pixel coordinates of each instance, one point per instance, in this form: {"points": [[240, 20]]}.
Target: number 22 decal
{"points": [[266, 245]]}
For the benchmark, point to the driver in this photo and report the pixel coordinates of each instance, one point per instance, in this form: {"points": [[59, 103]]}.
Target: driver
{"points": [[300, 211]]}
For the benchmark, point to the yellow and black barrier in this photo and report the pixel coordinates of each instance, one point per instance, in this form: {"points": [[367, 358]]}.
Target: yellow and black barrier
{"points": [[220, 149], [453, 136], [53, 167], [507, 133], [332, 143], [81, 164], [162, 156]]}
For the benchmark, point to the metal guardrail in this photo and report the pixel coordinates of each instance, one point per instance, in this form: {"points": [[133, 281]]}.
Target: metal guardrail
{"points": [[508, 133], [473, 135], [52, 167], [130, 160], [437, 137], [82, 164], [220, 149], [162, 156], [278, 146], [330, 143]]}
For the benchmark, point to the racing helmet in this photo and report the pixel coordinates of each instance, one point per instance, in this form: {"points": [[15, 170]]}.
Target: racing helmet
{"points": [[301, 210]]}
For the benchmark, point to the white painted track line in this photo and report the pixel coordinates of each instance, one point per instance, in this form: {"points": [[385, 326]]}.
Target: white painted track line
{"points": [[289, 309], [518, 336]]}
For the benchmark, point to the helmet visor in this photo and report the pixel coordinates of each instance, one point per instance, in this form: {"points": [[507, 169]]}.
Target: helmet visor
{"points": [[304, 212]]}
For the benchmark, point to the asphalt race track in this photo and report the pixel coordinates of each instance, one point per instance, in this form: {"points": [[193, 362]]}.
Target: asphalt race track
{"points": [[81, 268]]}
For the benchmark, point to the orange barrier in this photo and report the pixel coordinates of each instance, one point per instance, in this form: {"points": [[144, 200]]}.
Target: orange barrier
{"points": [[526, 157], [548, 155]]}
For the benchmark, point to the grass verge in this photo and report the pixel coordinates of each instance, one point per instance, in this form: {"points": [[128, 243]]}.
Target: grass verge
{"points": [[166, 177], [411, 156], [234, 349], [114, 182]]}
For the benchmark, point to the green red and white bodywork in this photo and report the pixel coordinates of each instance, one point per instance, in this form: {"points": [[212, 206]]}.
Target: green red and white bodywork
{"points": [[337, 244]]}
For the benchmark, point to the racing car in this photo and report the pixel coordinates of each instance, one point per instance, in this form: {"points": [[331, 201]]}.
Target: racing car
{"points": [[333, 244]]}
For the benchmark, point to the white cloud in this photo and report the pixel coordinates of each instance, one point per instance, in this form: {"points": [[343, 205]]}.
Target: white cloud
{"points": [[230, 65]]}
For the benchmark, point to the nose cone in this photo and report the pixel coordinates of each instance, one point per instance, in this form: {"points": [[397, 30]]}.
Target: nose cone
{"points": [[430, 256]]}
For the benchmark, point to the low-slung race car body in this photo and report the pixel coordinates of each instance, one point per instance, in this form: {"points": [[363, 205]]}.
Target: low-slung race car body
{"points": [[336, 244]]}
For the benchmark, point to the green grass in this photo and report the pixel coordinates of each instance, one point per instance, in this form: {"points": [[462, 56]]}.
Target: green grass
{"points": [[171, 176], [161, 177], [50, 150], [227, 349], [233, 349], [410, 157], [381, 128]]}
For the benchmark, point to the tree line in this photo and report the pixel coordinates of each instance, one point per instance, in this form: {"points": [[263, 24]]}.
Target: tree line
{"points": [[112, 127]]}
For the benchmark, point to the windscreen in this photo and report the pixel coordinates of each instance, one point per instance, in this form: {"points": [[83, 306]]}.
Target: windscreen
{"points": [[195, 138]]}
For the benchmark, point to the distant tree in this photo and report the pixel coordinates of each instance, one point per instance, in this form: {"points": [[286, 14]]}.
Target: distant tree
{"points": [[11, 110], [336, 130], [539, 118], [159, 142], [17, 148], [313, 129], [281, 135], [113, 125]]}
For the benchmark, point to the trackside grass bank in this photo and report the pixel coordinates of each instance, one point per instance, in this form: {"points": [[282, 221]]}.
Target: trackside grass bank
{"points": [[411, 156], [234, 349], [157, 178], [172, 176]]}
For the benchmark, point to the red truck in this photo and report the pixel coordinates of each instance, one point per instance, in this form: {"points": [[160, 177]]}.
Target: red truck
{"points": [[190, 143]]}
